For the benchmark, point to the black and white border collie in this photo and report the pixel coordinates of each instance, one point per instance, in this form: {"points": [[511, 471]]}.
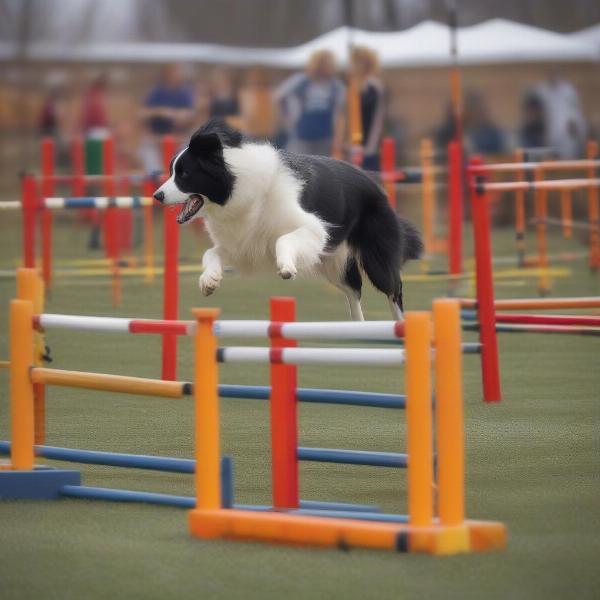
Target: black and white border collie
{"points": [[302, 215]]}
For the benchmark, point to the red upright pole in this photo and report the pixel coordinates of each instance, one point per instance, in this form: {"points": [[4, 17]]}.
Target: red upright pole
{"points": [[388, 166], [28, 206], [485, 292], [284, 414], [171, 276], [48, 157], [455, 204], [111, 231]]}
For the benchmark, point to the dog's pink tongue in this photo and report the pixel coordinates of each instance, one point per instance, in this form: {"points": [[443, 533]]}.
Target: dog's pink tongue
{"points": [[190, 208]]}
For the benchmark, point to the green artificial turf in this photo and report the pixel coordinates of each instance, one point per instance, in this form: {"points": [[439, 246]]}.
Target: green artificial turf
{"points": [[532, 461]]}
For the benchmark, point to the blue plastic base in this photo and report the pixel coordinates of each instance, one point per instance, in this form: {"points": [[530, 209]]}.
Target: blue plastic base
{"points": [[40, 484]]}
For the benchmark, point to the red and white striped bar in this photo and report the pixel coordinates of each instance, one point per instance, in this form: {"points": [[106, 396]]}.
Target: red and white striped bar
{"points": [[330, 330], [553, 184], [100, 202], [113, 324], [313, 356], [527, 319], [550, 165], [10, 205]]}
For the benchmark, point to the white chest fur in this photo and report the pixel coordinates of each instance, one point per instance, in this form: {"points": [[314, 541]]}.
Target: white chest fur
{"points": [[263, 207]]}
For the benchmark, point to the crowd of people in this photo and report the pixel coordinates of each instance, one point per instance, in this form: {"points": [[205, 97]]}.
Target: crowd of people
{"points": [[307, 111]]}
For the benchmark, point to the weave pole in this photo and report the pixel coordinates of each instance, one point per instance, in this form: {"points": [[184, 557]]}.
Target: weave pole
{"points": [[171, 276], [485, 292], [29, 208], [419, 418], [207, 420], [593, 210], [148, 216], [388, 166], [47, 188], [30, 287], [21, 390], [455, 206], [541, 216], [428, 192], [449, 412], [284, 412], [111, 219], [520, 213]]}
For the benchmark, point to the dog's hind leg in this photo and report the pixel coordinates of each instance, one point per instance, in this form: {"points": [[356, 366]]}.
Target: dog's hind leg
{"points": [[342, 271], [396, 303]]}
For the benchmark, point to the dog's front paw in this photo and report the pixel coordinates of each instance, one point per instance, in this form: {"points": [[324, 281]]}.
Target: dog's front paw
{"points": [[287, 271], [209, 282]]}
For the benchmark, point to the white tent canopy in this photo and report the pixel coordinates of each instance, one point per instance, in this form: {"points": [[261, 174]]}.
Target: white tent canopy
{"points": [[425, 44]]}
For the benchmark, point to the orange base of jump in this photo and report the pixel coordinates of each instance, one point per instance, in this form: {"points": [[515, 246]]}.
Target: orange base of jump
{"points": [[282, 528]]}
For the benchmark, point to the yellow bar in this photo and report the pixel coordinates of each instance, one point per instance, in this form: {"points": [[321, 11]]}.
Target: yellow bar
{"points": [[206, 399], [419, 418], [4, 364], [21, 390], [108, 383], [449, 411]]}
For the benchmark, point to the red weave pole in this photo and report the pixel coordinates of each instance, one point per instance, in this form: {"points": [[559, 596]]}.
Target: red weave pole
{"points": [[29, 206], [177, 328], [171, 275], [111, 218], [78, 166], [455, 206], [48, 157], [284, 413], [388, 165], [485, 293]]}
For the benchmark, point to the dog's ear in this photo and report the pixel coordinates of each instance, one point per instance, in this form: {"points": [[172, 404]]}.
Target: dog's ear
{"points": [[202, 144]]}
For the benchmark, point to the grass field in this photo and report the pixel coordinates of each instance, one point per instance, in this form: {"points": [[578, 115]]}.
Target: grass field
{"points": [[532, 461]]}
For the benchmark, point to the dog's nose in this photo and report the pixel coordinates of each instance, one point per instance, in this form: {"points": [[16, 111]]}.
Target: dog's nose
{"points": [[160, 196]]}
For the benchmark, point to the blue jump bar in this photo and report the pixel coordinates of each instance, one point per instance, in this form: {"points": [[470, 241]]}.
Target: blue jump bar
{"points": [[92, 202], [354, 457], [111, 459], [334, 509], [318, 396]]}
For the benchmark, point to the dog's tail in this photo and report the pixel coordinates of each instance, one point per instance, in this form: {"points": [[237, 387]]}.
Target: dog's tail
{"points": [[384, 242], [412, 242]]}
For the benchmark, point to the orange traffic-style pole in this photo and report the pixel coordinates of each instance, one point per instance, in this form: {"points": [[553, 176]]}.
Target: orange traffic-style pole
{"points": [[455, 207], [449, 411], [207, 421], [30, 287], [541, 216], [355, 120], [566, 213], [426, 156], [21, 388], [419, 418], [593, 210], [29, 208], [47, 148], [520, 212], [148, 216], [284, 411]]}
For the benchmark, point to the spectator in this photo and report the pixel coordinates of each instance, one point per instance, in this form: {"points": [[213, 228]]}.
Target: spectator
{"points": [[223, 102], [51, 114], [532, 133], [257, 111], [168, 109], [565, 126], [312, 104], [482, 135], [94, 115], [365, 68]]}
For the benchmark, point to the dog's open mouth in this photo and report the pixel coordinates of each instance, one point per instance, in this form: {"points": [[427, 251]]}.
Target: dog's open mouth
{"points": [[192, 205]]}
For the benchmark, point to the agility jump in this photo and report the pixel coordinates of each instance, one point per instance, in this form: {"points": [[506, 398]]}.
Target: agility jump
{"points": [[320, 523]]}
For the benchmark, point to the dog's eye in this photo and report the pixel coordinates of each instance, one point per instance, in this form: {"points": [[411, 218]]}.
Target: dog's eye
{"points": [[183, 174]]}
